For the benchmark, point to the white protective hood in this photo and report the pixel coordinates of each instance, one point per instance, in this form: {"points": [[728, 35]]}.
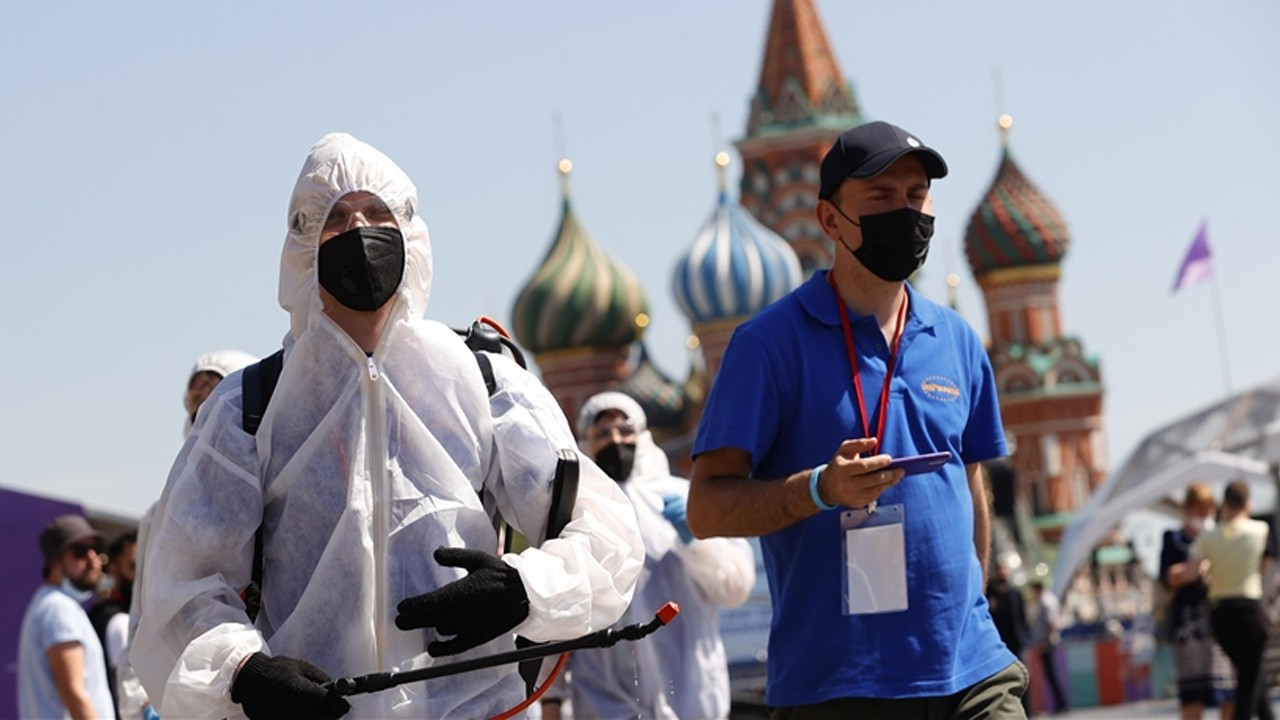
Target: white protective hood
{"points": [[681, 670], [222, 362], [361, 468]]}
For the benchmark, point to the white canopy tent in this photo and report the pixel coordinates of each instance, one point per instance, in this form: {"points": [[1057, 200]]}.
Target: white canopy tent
{"points": [[1237, 438]]}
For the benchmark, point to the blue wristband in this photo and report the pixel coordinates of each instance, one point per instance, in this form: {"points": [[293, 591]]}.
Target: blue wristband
{"points": [[813, 488]]}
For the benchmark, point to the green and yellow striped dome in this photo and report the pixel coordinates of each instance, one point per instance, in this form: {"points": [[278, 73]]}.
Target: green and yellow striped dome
{"points": [[579, 297]]}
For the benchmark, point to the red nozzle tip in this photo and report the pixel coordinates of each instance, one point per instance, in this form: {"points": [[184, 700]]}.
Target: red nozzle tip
{"points": [[485, 319], [668, 612]]}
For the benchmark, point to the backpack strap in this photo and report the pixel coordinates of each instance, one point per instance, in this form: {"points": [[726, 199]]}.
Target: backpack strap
{"points": [[564, 492], [258, 383], [486, 369], [564, 495]]}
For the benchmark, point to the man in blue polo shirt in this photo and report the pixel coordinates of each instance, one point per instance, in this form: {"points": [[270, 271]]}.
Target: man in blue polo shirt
{"points": [[877, 579]]}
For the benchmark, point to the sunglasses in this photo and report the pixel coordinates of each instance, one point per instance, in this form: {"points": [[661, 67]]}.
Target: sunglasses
{"points": [[82, 551]]}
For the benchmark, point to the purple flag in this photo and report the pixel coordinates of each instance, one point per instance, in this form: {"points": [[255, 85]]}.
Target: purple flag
{"points": [[1197, 265]]}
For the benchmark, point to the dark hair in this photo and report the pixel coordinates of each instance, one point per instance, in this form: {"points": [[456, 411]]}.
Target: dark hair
{"points": [[118, 545], [1236, 495]]}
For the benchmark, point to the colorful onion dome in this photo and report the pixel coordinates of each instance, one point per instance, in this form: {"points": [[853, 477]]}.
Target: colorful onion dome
{"points": [[1015, 225], [664, 402], [579, 297], [735, 266]]}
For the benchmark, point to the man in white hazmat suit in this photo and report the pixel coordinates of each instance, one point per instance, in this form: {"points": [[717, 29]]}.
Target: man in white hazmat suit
{"points": [[374, 474], [680, 671]]}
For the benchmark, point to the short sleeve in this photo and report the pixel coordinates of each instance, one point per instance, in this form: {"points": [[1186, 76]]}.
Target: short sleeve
{"points": [[57, 624], [983, 437], [743, 408]]}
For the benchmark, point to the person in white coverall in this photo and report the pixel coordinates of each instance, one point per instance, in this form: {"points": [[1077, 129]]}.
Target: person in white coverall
{"points": [[679, 671], [375, 475], [208, 371]]}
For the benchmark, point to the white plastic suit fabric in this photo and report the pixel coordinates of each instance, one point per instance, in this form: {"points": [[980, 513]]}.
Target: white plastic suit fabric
{"points": [[223, 362], [680, 670], [129, 691], [612, 400], [362, 467]]}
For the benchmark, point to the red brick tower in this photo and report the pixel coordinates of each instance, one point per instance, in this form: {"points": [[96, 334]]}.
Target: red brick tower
{"points": [[1050, 390], [801, 104]]}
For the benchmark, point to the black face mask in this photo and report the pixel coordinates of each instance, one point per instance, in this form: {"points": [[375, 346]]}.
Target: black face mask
{"points": [[894, 243], [617, 460], [362, 267]]}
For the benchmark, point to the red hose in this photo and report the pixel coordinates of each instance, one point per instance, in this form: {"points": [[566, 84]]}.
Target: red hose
{"points": [[546, 685]]}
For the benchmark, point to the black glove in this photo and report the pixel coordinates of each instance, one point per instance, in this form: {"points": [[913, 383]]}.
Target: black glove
{"points": [[475, 609], [285, 687]]}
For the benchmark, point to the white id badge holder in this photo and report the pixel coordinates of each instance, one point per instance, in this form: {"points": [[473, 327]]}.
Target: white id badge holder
{"points": [[875, 561]]}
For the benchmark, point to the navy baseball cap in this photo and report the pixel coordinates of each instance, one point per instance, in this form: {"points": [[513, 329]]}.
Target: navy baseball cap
{"points": [[867, 150]]}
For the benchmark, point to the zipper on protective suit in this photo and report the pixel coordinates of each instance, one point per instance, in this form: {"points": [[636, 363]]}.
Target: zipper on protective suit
{"points": [[375, 452]]}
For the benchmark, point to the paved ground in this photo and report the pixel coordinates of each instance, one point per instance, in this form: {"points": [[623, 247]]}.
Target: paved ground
{"points": [[1151, 710]]}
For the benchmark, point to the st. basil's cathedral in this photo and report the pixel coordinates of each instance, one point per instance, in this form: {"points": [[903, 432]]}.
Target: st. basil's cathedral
{"points": [[583, 315]]}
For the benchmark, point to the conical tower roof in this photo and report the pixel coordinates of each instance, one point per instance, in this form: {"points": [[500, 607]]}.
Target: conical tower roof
{"points": [[1015, 225], [800, 80], [578, 297], [735, 266]]}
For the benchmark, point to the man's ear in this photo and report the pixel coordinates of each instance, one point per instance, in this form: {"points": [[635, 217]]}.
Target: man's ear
{"points": [[827, 218]]}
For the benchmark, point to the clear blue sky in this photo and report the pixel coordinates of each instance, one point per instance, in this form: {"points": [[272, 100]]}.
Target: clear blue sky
{"points": [[151, 148]]}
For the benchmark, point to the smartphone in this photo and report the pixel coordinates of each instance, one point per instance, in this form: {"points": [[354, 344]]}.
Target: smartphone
{"points": [[917, 464]]}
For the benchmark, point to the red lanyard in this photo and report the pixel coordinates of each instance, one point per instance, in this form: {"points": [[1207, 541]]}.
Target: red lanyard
{"points": [[853, 362]]}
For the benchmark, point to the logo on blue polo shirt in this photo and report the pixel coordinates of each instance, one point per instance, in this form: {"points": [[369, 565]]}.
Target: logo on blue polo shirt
{"points": [[940, 387]]}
